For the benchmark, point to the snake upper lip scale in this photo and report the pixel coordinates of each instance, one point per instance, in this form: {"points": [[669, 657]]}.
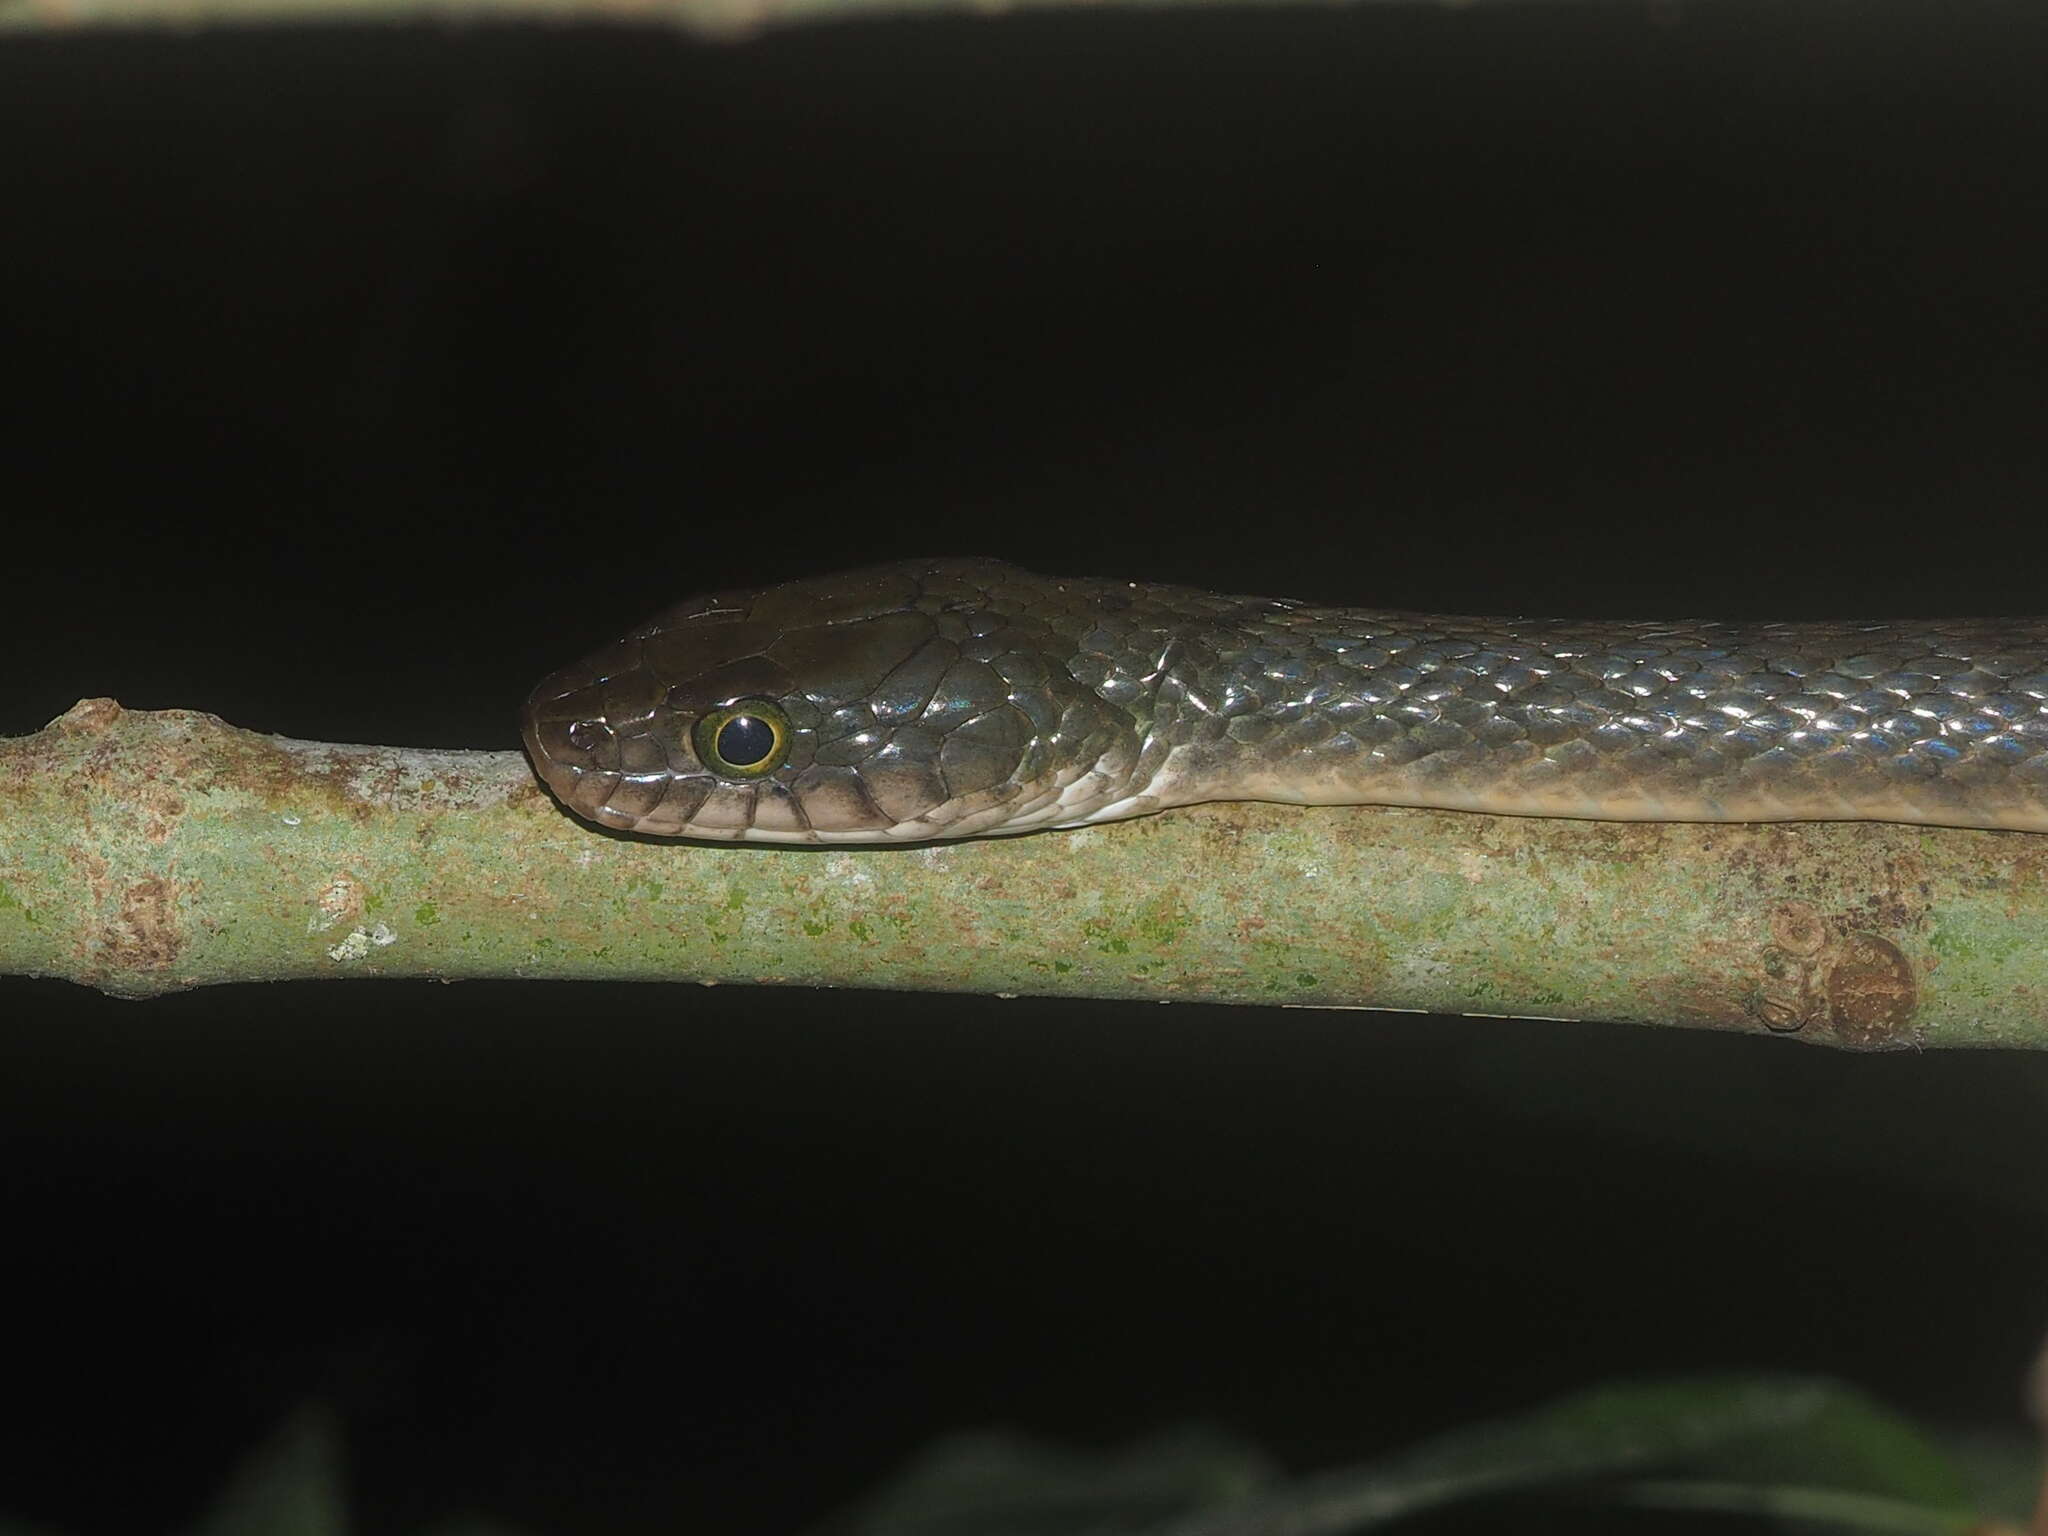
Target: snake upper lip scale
{"points": [[952, 698]]}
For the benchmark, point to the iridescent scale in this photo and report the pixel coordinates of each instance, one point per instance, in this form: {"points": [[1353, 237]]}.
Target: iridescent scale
{"points": [[949, 698]]}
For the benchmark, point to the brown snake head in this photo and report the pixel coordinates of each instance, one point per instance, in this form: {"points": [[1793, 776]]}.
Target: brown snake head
{"points": [[893, 704]]}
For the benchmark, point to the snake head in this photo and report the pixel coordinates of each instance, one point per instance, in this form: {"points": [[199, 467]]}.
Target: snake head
{"points": [[903, 702]]}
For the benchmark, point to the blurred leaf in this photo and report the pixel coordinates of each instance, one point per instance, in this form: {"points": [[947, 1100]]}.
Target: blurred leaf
{"points": [[1852, 1466], [2002, 1471], [1005, 1485], [292, 1486], [1803, 1508], [1850, 1443], [1808, 1430]]}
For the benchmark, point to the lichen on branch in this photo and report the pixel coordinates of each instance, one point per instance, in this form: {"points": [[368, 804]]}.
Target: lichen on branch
{"points": [[145, 852]]}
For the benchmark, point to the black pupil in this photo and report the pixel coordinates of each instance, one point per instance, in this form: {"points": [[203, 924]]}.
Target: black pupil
{"points": [[744, 740]]}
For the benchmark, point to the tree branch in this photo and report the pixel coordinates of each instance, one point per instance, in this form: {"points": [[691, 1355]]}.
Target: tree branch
{"points": [[143, 852]]}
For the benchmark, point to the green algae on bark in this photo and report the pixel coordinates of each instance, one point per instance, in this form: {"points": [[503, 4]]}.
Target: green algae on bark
{"points": [[144, 852]]}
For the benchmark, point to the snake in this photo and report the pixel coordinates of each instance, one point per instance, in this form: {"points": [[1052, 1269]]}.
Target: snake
{"points": [[955, 698]]}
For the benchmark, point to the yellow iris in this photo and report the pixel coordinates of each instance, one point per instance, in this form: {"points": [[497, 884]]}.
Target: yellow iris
{"points": [[746, 739]]}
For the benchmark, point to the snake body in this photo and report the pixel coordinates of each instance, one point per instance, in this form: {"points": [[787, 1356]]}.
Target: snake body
{"points": [[956, 698]]}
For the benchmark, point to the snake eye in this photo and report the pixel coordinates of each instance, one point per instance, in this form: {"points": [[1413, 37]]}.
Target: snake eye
{"points": [[746, 739]]}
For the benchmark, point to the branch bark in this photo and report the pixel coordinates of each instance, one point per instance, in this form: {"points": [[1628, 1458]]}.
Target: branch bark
{"points": [[145, 852]]}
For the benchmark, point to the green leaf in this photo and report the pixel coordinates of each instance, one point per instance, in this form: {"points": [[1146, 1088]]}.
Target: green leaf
{"points": [[1801, 1507], [1849, 1443], [2001, 1470], [291, 1486], [1004, 1485], [1756, 1428]]}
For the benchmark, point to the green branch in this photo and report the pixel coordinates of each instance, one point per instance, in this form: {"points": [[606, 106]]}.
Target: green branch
{"points": [[146, 852]]}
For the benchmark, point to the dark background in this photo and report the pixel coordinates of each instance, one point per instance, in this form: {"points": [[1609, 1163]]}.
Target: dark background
{"points": [[361, 376]]}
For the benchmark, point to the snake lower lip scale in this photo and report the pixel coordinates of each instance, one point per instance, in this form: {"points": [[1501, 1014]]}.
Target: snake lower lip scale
{"points": [[958, 698]]}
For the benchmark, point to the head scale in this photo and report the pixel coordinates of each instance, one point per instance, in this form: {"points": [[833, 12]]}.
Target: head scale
{"points": [[908, 701]]}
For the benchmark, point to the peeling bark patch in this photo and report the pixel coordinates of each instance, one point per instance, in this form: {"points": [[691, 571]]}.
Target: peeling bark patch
{"points": [[144, 932], [360, 942], [1857, 986], [341, 900]]}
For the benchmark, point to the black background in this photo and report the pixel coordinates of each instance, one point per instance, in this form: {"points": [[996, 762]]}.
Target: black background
{"points": [[361, 376]]}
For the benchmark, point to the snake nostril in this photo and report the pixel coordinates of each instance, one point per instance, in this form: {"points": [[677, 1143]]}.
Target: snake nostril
{"points": [[589, 735]]}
